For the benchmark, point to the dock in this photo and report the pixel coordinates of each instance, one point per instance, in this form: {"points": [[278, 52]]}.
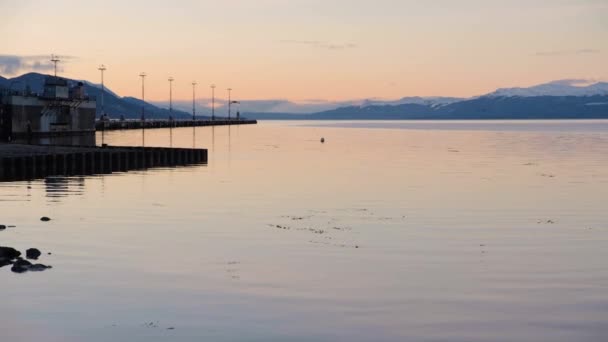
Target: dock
{"points": [[26, 162], [112, 125]]}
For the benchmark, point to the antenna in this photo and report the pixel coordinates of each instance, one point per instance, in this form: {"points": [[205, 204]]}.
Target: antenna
{"points": [[55, 59]]}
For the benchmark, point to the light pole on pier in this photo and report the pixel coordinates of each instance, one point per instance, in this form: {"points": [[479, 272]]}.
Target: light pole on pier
{"points": [[102, 68], [193, 102], [143, 97], [229, 102], [212, 102], [143, 110], [171, 111], [171, 98]]}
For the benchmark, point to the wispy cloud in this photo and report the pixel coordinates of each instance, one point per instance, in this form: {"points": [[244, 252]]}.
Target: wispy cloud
{"points": [[321, 44], [13, 64], [567, 52], [575, 81]]}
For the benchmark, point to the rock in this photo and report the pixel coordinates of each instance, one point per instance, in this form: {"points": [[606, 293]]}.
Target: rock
{"points": [[21, 266], [45, 219], [38, 268], [9, 253], [32, 253], [19, 269], [5, 262]]}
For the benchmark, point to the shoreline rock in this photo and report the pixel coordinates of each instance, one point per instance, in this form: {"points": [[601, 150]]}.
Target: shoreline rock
{"points": [[33, 253]]}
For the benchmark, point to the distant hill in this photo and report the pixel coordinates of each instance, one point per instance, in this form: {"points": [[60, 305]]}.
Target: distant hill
{"points": [[539, 107], [565, 99], [557, 88], [115, 106]]}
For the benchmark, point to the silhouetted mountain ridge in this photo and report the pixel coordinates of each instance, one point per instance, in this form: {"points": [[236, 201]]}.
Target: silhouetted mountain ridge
{"points": [[115, 106]]}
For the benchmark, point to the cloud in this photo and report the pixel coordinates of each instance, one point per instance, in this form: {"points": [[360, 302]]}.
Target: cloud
{"points": [[575, 82], [321, 44], [567, 52], [13, 64]]}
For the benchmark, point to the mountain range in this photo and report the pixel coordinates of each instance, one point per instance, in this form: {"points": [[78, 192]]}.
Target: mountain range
{"points": [[115, 106], [564, 99]]}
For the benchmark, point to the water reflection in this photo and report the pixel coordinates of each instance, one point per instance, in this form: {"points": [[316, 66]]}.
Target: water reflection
{"points": [[58, 187], [356, 237]]}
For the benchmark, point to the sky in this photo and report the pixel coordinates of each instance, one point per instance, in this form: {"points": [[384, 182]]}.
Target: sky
{"points": [[308, 50]]}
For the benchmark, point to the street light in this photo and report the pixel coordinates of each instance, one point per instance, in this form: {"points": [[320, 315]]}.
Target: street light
{"points": [[171, 98], [229, 102], [102, 68], [171, 111], [212, 102], [193, 102], [143, 113], [143, 98]]}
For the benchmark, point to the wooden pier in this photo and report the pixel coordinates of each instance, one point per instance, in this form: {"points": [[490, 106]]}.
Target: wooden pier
{"points": [[25, 162], [112, 125]]}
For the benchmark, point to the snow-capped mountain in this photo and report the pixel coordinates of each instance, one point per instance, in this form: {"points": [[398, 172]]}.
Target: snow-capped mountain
{"points": [[556, 88], [432, 101]]}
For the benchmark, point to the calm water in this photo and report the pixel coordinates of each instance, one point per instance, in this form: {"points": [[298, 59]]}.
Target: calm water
{"points": [[419, 231]]}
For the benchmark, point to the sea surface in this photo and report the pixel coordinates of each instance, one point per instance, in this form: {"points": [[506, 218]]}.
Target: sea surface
{"points": [[389, 231]]}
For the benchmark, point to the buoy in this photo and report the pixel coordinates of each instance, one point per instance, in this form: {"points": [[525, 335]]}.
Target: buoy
{"points": [[322, 140]]}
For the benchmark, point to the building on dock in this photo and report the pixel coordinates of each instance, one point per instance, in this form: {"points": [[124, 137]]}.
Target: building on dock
{"points": [[62, 109]]}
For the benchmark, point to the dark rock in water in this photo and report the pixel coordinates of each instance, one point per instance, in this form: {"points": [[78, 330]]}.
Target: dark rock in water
{"points": [[22, 262], [45, 219], [32, 253], [5, 262], [21, 266], [9, 253], [19, 269], [2, 227], [38, 268]]}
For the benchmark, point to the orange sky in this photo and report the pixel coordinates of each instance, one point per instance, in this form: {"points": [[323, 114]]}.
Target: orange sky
{"points": [[313, 49]]}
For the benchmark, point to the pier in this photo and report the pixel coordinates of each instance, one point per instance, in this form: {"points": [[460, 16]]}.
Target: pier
{"points": [[112, 125], [25, 162]]}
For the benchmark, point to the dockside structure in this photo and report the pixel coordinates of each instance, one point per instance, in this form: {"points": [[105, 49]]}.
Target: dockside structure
{"points": [[60, 110]]}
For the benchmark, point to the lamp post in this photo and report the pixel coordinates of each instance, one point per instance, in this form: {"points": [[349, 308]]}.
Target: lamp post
{"points": [[193, 102], [171, 98], [212, 102], [143, 110], [171, 111], [102, 68], [229, 102], [143, 97]]}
